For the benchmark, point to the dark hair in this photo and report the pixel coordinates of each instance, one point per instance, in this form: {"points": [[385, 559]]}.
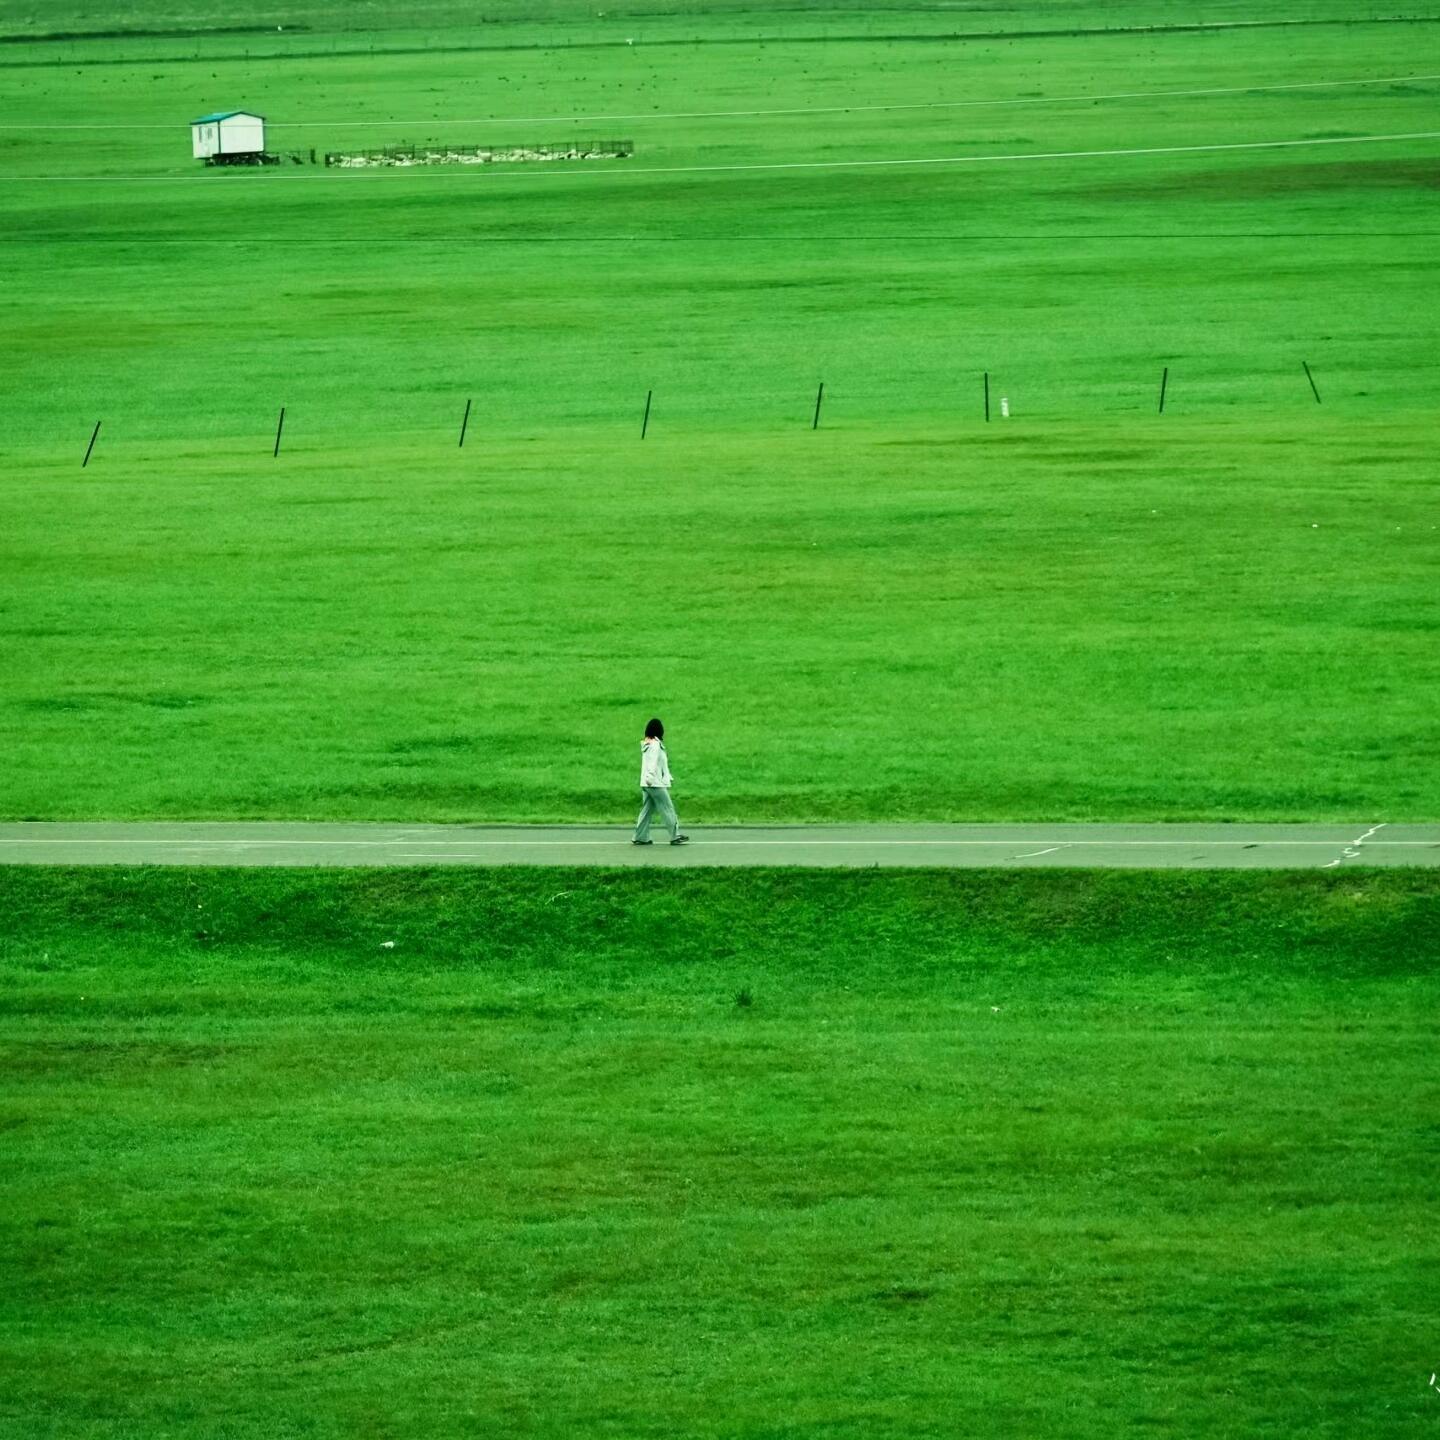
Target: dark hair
{"points": [[654, 731]]}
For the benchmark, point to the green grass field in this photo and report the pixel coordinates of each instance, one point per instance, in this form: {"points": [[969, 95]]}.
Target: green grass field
{"points": [[597, 1153], [984, 1154], [1086, 611]]}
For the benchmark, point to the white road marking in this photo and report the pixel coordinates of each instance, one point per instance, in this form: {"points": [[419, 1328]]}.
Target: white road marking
{"points": [[1031, 854], [762, 113], [1352, 850], [551, 172]]}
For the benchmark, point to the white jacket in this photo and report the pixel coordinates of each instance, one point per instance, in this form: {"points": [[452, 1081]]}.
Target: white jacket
{"points": [[654, 767]]}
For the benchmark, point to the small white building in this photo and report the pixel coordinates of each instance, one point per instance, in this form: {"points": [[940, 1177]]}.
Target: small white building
{"points": [[228, 132]]}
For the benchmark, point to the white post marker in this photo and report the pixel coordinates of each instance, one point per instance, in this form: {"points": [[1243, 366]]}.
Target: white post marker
{"points": [[1004, 408]]}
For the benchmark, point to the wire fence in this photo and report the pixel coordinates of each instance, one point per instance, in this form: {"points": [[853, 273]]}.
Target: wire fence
{"points": [[992, 403]]}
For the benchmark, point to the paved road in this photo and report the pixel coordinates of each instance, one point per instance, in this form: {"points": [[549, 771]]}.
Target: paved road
{"points": [[1199, 847]]}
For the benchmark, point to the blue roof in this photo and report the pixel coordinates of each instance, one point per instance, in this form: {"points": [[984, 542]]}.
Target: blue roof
{"points": [[223, 115]]}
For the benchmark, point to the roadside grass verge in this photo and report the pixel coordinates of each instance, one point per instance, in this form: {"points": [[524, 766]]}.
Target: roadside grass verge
{"points": [[702, 1153], [1225, 622]]}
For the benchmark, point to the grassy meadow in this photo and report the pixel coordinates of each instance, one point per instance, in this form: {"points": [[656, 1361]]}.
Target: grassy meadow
{"points": [[390, 1154], [1088, 610], [591, 1153]]}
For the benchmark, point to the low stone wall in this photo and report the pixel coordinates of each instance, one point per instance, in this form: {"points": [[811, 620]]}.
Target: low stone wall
{"points": [[405, 155]]}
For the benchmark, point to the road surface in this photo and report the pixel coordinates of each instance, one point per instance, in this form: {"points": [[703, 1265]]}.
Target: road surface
{"points": [[1197, 847]]}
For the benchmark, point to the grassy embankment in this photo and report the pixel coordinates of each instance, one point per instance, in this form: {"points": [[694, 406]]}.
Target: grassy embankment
{"points": [[1003, 1154], [1091, 612]]}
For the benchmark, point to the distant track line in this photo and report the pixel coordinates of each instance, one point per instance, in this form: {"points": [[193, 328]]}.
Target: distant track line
{"points": [[270, 241], [692, 42], [553, 172]]}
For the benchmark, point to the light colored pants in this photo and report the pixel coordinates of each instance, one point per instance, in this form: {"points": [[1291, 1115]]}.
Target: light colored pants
{"points": [[656, 798]]}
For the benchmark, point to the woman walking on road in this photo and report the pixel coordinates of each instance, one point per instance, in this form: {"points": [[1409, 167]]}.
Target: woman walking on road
{"points": [[655, 788]]}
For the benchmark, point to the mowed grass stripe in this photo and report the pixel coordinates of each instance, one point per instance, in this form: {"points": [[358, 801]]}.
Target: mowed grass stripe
{"points": [[649, 117]]}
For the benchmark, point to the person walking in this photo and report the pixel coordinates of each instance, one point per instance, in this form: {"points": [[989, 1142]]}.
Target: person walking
{"points": [[655, 788]]}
